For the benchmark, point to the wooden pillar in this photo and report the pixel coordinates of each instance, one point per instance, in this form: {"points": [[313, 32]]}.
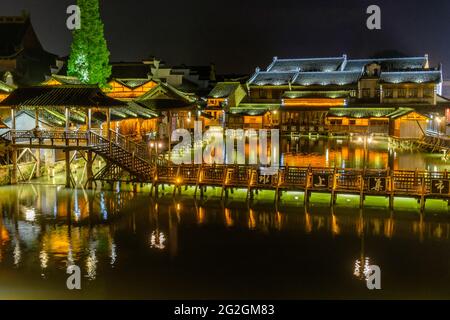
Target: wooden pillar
{"points": [[90, 173], [170, 133], [89, 119], [14, 150], [38, 151], [67, 116], [108, 123], [13, 118]]}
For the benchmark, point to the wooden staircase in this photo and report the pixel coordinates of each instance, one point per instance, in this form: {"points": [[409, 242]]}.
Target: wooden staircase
{"points": [[124, 154]]}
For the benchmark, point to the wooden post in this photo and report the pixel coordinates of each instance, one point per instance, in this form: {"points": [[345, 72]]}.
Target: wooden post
{"points": [[90, 173], [88, 125], [67, 116], [170, 133], [108, 123], [38, 152], [89, 119], [14, 150], [422, 196]]}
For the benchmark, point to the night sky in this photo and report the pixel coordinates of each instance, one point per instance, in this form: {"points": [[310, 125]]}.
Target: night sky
{"points": [[238, 35]]}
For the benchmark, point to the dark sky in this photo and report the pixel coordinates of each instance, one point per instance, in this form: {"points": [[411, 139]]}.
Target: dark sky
{"points": [[239, 35]]}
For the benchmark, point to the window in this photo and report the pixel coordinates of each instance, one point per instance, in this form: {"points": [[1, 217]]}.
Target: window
{"points": [[366, 93], [352, 122], [402, 93], [263, 94], [428, 93], [336, 122], [388, 93], [413, 93]]}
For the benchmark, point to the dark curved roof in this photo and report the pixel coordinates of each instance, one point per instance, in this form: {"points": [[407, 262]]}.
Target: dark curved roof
{"points": [[80, 96]]}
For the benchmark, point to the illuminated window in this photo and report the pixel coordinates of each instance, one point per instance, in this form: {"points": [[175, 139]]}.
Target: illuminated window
{"points": [[413, 93], [366, 93], [388, 93], [428, 92]]}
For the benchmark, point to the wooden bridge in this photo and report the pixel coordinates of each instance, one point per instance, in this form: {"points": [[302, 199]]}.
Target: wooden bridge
{"points": [[121, 154], [385, 183], [125, 158]]}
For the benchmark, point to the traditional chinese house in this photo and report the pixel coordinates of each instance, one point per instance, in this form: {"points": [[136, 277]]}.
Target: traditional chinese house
{"points": [[176, 109], [336, 95], [224, 97], [21, 52]]}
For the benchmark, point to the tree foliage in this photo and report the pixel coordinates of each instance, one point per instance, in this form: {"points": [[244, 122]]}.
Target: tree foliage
{"points": [[89, 56]]}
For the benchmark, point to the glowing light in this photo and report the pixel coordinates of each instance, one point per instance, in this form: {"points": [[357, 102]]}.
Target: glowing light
{"points": [[157, 240], [30, 214], [364, 275], [91, 263]]}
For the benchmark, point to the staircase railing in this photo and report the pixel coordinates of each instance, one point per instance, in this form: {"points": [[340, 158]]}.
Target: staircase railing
{"points": [[126, 159]]}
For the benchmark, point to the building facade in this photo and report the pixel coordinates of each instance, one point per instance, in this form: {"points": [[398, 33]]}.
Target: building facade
{"points": [[401, 97]]}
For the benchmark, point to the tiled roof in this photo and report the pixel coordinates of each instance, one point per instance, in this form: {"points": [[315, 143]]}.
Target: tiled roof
{"points": [[223, 89], [387, 63], [66, 79], [262, 78], [167, 91], [306, 65], [315, 94], [411, 77], [326, 78], [133, 83], [5, 88], [361, 112], [54, 96]]}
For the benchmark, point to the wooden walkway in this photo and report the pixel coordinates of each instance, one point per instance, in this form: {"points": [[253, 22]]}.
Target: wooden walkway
{"points": [[127, 158], [385, 183]]}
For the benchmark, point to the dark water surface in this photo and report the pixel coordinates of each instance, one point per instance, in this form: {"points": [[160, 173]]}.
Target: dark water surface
{"points": [[130, 246]]}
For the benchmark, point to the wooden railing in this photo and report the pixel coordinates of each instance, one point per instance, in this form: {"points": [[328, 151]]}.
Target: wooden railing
{"points": [[388, 183], [141, 168], [42, 137]]}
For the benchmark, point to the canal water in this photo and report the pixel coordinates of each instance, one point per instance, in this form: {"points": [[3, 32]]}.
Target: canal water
{"points": [[130, 245]]}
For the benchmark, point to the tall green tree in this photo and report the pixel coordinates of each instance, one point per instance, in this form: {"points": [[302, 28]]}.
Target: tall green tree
{"points": [[89, 56]]}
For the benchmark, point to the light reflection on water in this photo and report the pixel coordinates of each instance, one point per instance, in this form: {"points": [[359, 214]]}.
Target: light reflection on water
{"points": [[351, 153], [117, 237]]}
